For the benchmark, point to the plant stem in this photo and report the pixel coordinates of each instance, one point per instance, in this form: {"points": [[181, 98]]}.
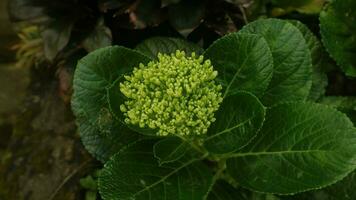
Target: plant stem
{"points": [[242, 9]]}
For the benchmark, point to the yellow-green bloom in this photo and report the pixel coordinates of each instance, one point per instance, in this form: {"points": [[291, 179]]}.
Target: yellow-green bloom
{"points": [[175, 95]]}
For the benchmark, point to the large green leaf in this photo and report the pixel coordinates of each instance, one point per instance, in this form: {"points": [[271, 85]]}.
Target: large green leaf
{"points": [[244, 62], [135, 173], [342, 103], [320, 80], [104, 139], [238, 120], [345, 104], [95, 73], [338, 31], [224, 191], [302, 146], [343, 190], [152, 46], [170, 149], [318, 61], [292, 76]]}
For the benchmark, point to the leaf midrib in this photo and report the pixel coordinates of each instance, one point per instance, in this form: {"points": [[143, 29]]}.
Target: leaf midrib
{"points": [[169, 174], [276, 153], [229, 129], [243, 65]]}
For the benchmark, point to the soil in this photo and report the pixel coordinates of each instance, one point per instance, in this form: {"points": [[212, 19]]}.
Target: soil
{"points": [[41, 156]]}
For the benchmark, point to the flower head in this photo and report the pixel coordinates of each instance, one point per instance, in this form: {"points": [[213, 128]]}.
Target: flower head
{"points": [[175, 95]]}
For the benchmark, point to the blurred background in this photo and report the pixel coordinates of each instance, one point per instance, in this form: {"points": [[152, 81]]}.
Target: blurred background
{"points": [[41, 156]]}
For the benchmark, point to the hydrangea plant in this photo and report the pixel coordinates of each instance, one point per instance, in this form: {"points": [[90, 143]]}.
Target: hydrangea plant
{"points": [[170, 120]]}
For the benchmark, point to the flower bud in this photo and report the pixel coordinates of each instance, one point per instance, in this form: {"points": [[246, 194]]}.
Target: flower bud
{"points": [[177, 95]]}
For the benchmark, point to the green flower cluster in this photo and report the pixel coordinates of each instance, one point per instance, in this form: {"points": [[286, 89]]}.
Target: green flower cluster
{"points": [[175, 95]]}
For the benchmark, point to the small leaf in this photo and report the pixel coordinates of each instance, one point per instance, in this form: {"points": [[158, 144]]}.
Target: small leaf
{"points": [[90, 195], [292, 76], [88, 183], [244, 62], [101, 133], [98, 38], [147, 13], [169, 149], [135, 174], [186, 15], [301, 146], [152, 46], [338, 33], [238, 120], [320, 80]]}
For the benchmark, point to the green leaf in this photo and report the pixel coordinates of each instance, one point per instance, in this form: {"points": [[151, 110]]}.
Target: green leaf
{"points": [[238, 120], [152, 46], [146, 13], [88, 183], [104, 139], [302, 6], [170, 149], [101, 134], [320, 80], [186, 15], [244, 62], [135, 174], [338, 33], [286, 4], [224, 191], [90, 195], [292, 76], [98, 38], [346, 104], [344, 190], [340, 102], [301, 146]]}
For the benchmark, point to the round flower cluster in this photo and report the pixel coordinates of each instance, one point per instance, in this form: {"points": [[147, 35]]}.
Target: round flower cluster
{"points": [[176, 95]]}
